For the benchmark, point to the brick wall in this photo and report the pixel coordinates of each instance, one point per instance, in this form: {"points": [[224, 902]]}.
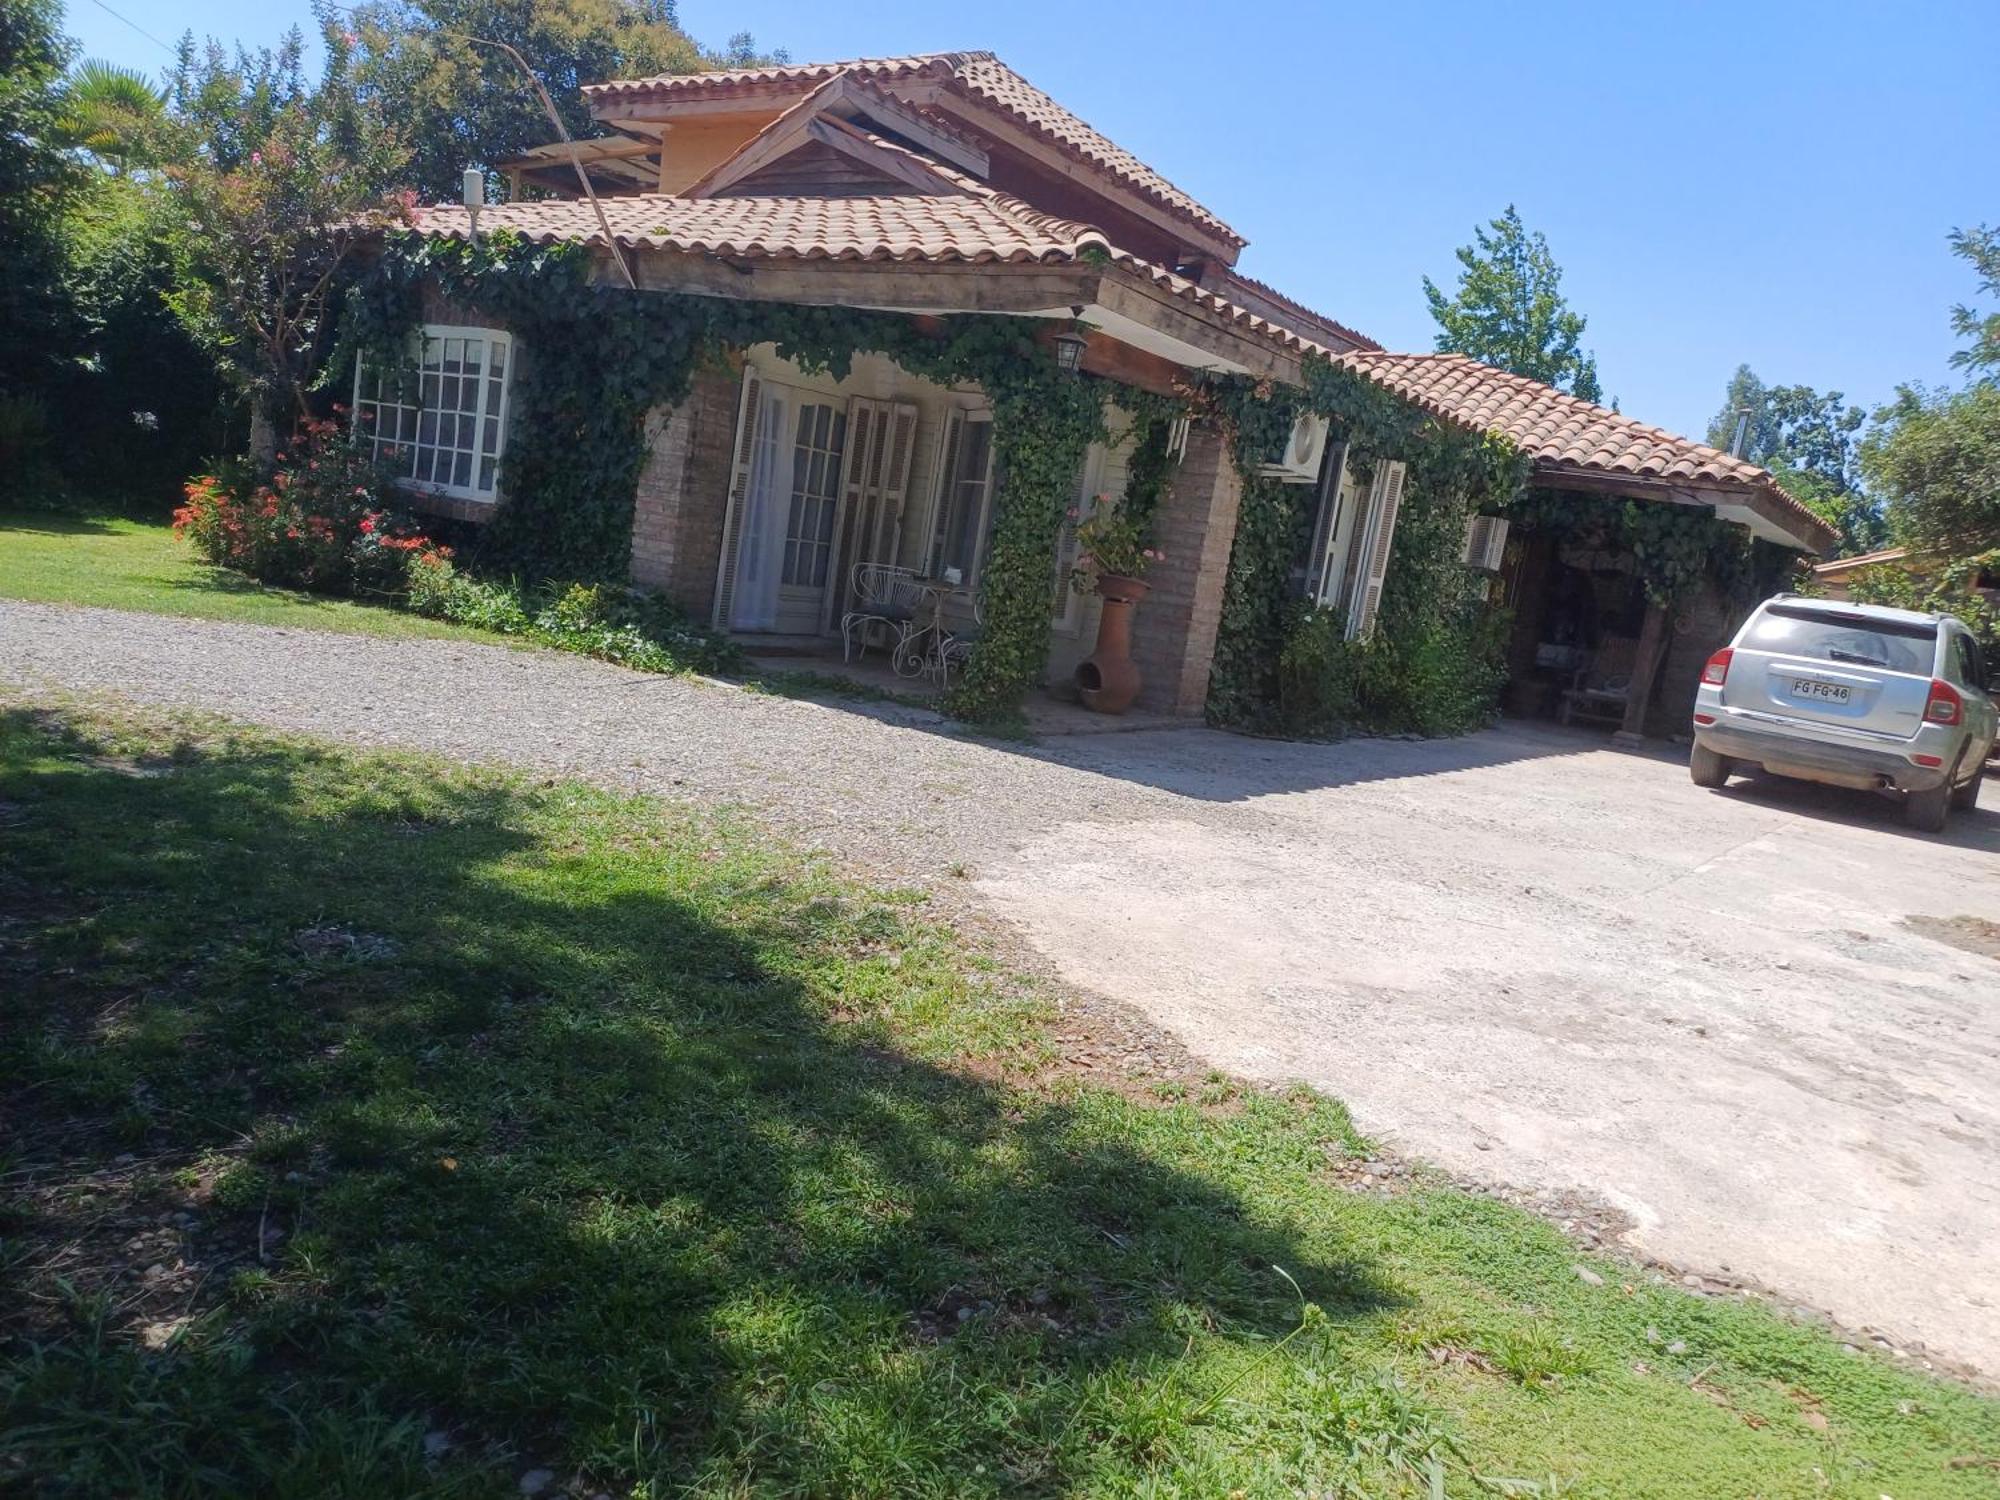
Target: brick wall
{"points": [[683, 488], [1173, 637]]}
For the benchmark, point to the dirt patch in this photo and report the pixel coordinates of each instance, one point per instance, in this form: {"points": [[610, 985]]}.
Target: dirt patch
{"points": [[1972, 934]]}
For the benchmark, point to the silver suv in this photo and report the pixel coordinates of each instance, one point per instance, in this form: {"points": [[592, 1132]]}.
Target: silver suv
{"points": [[1853, 695]]}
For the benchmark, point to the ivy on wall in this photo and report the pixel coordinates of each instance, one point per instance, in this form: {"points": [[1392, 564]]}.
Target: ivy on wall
{"points": [[598, 359], [1676, 549], [1431, 665]]}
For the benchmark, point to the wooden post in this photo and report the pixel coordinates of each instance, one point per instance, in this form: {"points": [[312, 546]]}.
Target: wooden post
{"points": [[1652, 650]]}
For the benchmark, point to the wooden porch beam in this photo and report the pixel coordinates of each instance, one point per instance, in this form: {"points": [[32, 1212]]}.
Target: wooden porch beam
{"points": [[893, 286]]}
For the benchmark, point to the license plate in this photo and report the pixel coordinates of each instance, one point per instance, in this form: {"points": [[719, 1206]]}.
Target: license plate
{"points": [[1819, 692]]}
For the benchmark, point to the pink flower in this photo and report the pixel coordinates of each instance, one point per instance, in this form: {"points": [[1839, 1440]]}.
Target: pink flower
{"points": [[256, 158]]}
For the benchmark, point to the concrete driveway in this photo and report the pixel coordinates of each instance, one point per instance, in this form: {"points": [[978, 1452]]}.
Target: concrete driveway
{"points": [[1762, 1025]]}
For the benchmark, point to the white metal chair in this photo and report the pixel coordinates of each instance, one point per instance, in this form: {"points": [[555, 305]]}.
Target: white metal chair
{"points": [[885, 598], [954, 647]]}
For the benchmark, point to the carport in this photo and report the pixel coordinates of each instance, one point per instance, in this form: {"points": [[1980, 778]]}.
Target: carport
{"points": [[1579, 558]]}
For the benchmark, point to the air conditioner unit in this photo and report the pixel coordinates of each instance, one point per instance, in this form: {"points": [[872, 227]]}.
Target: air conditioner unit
{"points": [[1304, 449], [1485, 542]]}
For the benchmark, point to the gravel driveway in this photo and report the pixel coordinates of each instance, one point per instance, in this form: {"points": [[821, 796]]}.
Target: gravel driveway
{"points": [[1760, 1029]]}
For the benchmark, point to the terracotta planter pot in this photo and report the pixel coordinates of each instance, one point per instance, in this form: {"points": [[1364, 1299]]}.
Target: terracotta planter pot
{"points": [[1109, 681]]}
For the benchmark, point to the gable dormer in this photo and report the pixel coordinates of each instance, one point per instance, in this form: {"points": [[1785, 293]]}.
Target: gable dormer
{"points": [[966, 112]]}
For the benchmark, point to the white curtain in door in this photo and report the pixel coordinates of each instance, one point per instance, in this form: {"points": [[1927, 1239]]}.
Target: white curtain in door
{"points": [[767, 502]]}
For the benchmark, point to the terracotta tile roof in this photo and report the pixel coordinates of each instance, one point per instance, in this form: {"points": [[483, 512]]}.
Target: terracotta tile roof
{"points": [[1236, 283], [907, 227], [975, 75], [1561, 432]]}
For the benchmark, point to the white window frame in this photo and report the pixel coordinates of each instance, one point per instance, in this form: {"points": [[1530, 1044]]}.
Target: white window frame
{"points": [[386, 400], [957, 417]]}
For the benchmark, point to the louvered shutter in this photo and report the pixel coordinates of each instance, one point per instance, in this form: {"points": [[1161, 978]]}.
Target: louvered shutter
{"points": [[1385, 499], [1323, 577], [902, 452], [739, 482], [1485, 542], [861, 463], [881, 436]]}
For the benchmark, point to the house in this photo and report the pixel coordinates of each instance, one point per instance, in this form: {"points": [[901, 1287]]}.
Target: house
{"points": [[938, 191], [1839, 577]]}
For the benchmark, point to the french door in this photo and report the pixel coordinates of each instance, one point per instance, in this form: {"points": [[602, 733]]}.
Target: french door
{"points": [[819, 433]]}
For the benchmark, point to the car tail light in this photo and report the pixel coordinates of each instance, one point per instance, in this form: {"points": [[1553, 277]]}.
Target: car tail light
{"points": [[1933, 761], [1944, 705], [1704, 718], [1716, 671]]}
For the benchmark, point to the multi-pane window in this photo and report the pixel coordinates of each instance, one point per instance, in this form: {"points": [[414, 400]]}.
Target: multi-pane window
{"points": [[440, 421], [822, 431], [964, 490]]}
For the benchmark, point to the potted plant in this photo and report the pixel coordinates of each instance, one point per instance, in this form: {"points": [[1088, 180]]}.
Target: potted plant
{"points": [[1113, 553]]}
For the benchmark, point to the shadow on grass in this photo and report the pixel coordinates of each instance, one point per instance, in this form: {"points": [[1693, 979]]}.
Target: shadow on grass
{"points": [[575, 1129], [56, 523]]}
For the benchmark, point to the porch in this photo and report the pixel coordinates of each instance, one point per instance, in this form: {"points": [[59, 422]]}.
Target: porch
{"points": [[867, 676]]}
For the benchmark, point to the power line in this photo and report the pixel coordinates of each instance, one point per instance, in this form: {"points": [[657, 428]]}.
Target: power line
{"points": [[133, 24]]}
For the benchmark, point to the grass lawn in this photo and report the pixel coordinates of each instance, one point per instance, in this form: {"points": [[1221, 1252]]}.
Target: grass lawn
{"points": [[117, 563], [382, 1128]]}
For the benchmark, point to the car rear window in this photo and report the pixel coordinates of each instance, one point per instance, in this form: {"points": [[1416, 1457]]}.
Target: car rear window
{"points": [[1841, 636]]}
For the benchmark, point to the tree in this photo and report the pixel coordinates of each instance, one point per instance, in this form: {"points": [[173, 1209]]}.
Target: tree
{"points": [[111, 112], [1509, 310], [1935, 456], [1746, 393], [38, 180], [273, 181], [459, 104], [1981, 246], [1807, 439]]}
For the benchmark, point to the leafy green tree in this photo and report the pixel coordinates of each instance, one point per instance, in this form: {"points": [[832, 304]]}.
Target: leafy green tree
{"points": [[1509, 310], [1747, 393], [1807, 438], [1935, 457], [38, 180], [457, 103], [272, 179], [1981, 246]]}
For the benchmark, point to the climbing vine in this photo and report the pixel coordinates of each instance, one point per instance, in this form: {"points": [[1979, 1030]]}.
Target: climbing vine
{"points": [[598, 359], [1432, 664], [1676, 549]]}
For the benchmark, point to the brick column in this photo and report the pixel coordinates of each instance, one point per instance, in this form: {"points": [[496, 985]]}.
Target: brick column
{"points": [[683, 488], [1173, 638]]}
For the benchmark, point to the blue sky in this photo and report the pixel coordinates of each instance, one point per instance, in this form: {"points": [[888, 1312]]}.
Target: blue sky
{"points": [[1759, 182]]}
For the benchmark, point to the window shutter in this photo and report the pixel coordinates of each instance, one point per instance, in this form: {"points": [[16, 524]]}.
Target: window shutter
{"points": [[1485, 542], [861, 464], [1385, 499], [739, 482], [880, 438], [1323, 579]]}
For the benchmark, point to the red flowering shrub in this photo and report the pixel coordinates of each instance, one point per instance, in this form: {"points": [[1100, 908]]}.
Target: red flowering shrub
{"points": [[321, 522]]}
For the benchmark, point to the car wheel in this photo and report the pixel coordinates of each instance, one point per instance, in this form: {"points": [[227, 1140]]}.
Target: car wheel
{"points": [[1708, 768], [1965, 798], [1925, 811]]}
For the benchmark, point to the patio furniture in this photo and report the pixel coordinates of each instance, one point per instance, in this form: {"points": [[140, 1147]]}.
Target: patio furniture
{"points": [[930, 648], [1599, 697], [886, 598]]}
